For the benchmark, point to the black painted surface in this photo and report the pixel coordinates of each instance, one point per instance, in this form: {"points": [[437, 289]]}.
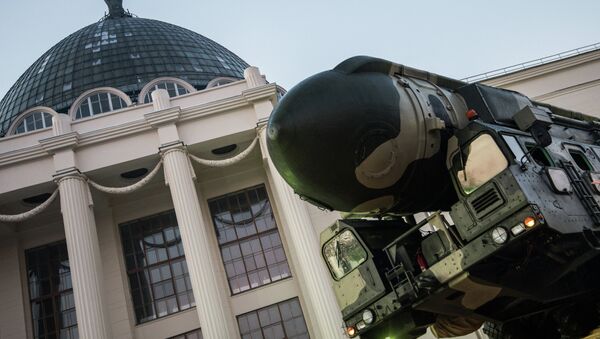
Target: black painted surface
{"points": [[326, 125], [121, 52]]}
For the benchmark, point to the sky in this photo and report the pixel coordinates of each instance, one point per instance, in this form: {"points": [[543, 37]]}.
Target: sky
{"points": [[291, 40]]}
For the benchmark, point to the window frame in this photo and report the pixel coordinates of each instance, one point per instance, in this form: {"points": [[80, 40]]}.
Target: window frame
{"points": [[459, 154], [148, 267], [54, 293], [531, 146], [151, 86], [358, 240], [12, 130], [240, 240], [581, 151], [281, 320], [86, 96], [185, 334], [216, 82]]}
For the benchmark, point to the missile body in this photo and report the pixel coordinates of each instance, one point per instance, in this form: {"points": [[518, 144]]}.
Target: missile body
{"points": [[368, 136]]}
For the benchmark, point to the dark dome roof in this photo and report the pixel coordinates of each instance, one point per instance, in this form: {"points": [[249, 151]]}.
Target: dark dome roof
{"points": [[121, 52]]}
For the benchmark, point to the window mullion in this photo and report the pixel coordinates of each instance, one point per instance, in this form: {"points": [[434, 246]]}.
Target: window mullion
{"points": [[89, 102], [110, 105]]}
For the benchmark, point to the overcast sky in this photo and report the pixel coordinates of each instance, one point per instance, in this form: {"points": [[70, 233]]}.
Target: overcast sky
{"points": [[290, 41]]}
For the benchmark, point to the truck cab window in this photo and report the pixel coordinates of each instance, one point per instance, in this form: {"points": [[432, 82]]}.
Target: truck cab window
{"points": [[343, 253], [581, 160], [482, 160], [539, 155]]}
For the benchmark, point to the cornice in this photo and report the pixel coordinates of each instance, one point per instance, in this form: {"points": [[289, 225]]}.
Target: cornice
{"points": [[214, 107], [163, 117], [567, 90], [536, 71], [268, 91], [148, 123], [22, 154], [55, 143], [113, 132]]}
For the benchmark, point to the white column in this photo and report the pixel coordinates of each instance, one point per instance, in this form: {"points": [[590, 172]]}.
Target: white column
{"points": [[84, 256], [253, 77], [310, 270], [211, 300]]}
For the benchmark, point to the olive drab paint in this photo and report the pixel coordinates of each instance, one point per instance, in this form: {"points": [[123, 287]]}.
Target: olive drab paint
{"points": [[518, 242], [365, 137]]}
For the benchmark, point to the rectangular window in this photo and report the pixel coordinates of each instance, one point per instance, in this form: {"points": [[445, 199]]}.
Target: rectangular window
{"points": [[51, 292], [482, 160], [156, 266], [282, 320], [195, 334], [343, 253], [251, 248]]}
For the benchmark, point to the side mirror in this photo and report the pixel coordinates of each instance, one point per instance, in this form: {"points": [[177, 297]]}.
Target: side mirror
{"points": [[536, 121]]}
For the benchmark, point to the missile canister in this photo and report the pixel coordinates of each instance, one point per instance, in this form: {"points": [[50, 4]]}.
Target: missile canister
{"points": [[368, 136]]}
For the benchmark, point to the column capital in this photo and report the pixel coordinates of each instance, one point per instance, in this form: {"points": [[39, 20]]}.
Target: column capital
{"points": [[71, 172], [172, 146]]}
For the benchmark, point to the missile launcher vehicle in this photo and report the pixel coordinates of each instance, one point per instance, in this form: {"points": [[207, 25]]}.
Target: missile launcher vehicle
{"points": [[467, 203]]}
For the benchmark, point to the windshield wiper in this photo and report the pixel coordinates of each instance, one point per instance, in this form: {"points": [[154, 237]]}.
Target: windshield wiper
{"points": [[337, 252]]}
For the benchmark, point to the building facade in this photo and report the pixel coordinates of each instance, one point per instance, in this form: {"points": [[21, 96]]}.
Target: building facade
{"points": [[138, 200], [570, 79]]}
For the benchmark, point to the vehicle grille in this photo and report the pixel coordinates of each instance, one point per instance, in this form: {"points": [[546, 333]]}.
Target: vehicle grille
{"points": [[487, 202]]}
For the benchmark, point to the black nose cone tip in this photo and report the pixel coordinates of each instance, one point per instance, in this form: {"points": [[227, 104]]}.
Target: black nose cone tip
{"points": [[313, 133]]}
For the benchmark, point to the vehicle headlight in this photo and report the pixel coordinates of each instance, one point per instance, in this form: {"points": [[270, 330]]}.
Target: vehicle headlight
{"points": [[499, 235], [368, 316], [351, 331]]}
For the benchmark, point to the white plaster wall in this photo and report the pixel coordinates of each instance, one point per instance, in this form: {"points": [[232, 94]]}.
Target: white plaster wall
{"points": [[572, 83], [115, 279], [321, 219], [24, 174], [12, 320]]}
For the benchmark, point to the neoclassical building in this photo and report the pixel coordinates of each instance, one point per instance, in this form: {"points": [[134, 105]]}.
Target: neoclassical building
{"points": [[137, 198], [570, 79]]}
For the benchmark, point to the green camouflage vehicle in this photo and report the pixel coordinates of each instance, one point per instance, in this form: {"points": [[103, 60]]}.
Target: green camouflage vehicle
{"points": [[519, 183]]}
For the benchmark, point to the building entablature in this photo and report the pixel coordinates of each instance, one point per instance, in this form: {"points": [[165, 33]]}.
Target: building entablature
{"points": [[126, 134]]}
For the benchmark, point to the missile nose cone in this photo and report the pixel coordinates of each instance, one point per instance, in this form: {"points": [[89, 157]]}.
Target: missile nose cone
{"points": [[273, 131], [314, 134], [337, 139]]}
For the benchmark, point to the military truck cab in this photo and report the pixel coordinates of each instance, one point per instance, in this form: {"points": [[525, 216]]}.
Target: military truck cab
{"points": [[357, 255], [516, 244]]}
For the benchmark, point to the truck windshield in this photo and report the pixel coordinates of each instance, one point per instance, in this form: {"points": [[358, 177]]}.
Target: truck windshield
{"points": [[482, 160], [343, 253]]}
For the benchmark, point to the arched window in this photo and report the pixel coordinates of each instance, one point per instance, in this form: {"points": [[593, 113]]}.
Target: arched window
{"points": [[220, 81], [32, 121], [35, 118], [174, 86], [98, 101]]}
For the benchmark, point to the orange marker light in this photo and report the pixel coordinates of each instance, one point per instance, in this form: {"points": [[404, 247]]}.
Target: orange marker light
{"points": [[471, 114], [351, 331], [529, 222]]}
